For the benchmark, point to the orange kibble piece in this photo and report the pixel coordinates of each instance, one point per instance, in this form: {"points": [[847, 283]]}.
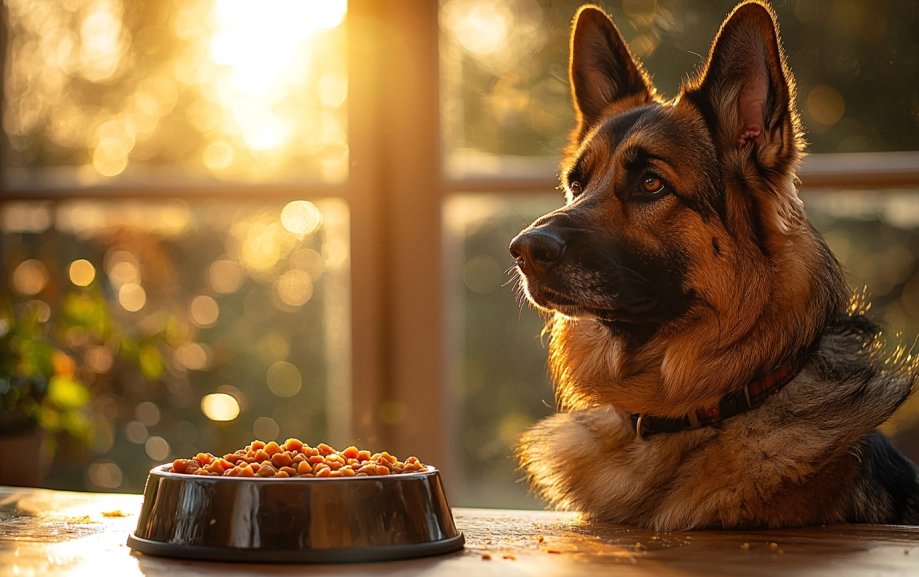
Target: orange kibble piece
{"points": [[246, 471], [179, 465], [334, 465], [266, 471], [316, 459], [347, 472], [256, 445], [351, 452], [299, 458], [281, 460], [324, 472], [272, 448], [293, 445], [363, 455], [336, 474], [204, 458], [289, 470], [304, 468], [281, 475], [325, 449], [262, 455], [255, 466], [231, 458], [381, 470]]}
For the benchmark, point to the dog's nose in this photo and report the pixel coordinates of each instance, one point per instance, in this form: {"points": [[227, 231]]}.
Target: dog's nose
{"points": [[538, 250]]}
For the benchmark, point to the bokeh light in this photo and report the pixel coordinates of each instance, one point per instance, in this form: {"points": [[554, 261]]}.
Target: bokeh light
{"points": [[220, 407], [266, 429], [192, 356], [82, 272], [825, 105], [132, 297], [272, 348], [204, 311], [157, 448], [284, 379], [105, 475], [482, 274], [136, 432], [30, 277], [301, 217], [98, 359], [295, 287], [147, 413], [220, 88], [225, 276]]}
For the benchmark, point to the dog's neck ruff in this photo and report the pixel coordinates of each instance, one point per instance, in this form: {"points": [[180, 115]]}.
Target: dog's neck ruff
{"points": [[751, 396]]}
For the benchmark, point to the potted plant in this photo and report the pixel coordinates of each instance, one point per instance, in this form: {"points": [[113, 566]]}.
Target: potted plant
{"points": [[34, 395]]}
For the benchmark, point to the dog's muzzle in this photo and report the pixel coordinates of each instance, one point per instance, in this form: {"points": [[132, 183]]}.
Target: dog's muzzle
{"points": [[538, 250]]}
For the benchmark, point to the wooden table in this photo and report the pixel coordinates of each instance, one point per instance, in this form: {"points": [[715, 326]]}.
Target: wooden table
{"points": [[48, 533]]}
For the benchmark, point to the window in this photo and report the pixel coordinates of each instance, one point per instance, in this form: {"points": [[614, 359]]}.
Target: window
{"points": [[176, 261], [161, 138]]}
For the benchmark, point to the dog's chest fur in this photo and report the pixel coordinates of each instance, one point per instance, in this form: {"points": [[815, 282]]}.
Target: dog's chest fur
{"points": [[809, 455]]}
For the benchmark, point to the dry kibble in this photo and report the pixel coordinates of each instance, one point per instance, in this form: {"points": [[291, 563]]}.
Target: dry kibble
{"points": [[745, 546], [486, 556], [296, 459]]}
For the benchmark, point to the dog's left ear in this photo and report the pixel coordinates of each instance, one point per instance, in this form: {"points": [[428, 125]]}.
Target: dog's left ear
{"points": [[746, 91]]}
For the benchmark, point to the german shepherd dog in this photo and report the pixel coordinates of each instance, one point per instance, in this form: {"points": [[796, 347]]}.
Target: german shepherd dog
{"points": [[711, 369]]}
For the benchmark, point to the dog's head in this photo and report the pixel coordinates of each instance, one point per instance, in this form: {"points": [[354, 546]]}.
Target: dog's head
{"points": [[682, 263]]}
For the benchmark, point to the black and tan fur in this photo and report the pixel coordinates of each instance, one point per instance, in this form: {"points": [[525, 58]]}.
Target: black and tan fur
{"points": [[663, 302]]}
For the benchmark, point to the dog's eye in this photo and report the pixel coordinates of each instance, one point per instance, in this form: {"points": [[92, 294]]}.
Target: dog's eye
{"points": [[651, 184], [575, 187]]}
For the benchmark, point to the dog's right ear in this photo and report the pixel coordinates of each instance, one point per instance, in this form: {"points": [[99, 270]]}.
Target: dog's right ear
{"points": [[602, 69]]}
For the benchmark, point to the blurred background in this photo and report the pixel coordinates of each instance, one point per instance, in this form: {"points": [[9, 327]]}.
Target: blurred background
{"points": [[224, 220]]}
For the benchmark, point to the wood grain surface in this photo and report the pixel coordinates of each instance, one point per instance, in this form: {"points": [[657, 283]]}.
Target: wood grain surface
{"points": [[51, 533]]}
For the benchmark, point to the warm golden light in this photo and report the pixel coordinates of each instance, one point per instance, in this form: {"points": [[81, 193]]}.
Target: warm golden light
{"points": [[225, 276], [301, 217], [204, 311], [30, 277], [220, 407], [284, 379], [295, 287], [132, 297], [157, 448], [82, 272], [122, 268], [192, 356]]}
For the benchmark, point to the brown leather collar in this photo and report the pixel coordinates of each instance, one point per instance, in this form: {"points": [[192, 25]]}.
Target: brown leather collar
{"points": [[753, 395]]}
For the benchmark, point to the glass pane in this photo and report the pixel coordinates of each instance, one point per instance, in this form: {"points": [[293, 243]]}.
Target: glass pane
{"points": [[497, 365], [99, 91], [497, 360], [159, 329], [505, 94]]}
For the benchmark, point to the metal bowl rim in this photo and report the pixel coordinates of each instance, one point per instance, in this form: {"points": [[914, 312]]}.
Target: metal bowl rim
{"points": [[163, 471]]}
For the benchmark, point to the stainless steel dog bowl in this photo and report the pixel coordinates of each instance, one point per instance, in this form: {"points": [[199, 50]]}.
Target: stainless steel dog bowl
{"points": [[312, 520]]}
